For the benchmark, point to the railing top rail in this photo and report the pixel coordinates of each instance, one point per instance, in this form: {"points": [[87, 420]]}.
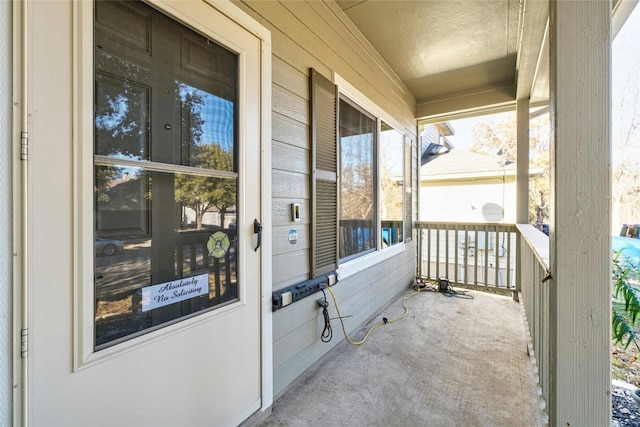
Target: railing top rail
{"points": [[537, 241], [473, 225]]}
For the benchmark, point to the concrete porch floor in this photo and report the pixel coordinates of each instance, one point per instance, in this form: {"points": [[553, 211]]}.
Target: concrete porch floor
{"points": [[450, 362]]}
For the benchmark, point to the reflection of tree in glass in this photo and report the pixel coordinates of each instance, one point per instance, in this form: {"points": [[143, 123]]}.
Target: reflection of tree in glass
{"points": [[121, 108], [200, 192], [357, 176], [109, 177], [121, 188], [104, 177], [191, 102], [391, 164], [206, 119]]}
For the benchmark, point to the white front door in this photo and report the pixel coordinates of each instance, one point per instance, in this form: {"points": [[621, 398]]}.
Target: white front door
{"points": [[145, 177]]}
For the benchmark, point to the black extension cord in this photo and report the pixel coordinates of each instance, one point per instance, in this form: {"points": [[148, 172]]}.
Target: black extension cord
{"points": [[327, 332], [441, 286]]}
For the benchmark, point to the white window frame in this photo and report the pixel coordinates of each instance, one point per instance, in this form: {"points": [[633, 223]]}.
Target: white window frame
{"points": [[354, 266]]}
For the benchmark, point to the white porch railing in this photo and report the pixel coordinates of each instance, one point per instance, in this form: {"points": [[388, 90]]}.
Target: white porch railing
{"points": [[534, 289], [479, 255]]}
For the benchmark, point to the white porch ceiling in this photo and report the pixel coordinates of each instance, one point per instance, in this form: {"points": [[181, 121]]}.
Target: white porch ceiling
{"points": [[459, 55]]}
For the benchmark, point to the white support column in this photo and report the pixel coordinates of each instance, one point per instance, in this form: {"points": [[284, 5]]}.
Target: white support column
{"points": [[522, 178], [580, 302]]}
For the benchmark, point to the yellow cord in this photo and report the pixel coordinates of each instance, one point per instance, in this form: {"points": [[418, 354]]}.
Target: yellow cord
{"points": [[406, 311]]}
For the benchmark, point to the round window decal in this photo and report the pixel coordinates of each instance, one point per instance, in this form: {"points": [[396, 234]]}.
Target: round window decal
{"points": [[218, 244]]}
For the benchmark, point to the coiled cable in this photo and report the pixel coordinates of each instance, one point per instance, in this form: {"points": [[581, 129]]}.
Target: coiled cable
{"points": [[384, 319]]}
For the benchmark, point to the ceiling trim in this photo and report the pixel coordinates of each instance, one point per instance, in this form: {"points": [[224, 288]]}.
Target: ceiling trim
{"points": [[481, 111], [534, 16], [454, 104]]}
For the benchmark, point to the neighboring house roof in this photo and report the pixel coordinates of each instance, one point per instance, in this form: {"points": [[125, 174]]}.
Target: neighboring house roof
{"points": [[461, 164], [444, 128]]}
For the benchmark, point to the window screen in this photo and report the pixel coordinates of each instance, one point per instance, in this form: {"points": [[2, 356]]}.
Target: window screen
{"points": [[165, 172], [358, 133]]}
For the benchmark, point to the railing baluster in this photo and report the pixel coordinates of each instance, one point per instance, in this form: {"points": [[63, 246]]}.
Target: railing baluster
{"points": [[496, 253], [508, 256], [446, 250], [429, 250], [437, 253], [475, 256], [456, 268], [485, 272], [466, 255]]}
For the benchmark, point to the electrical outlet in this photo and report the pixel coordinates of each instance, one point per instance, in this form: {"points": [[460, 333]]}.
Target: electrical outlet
{"points": [[287, 298], [292, 293], [332, 279]]}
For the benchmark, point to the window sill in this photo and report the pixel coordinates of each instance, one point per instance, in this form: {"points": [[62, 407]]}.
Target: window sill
{"points": [[362, 263]]}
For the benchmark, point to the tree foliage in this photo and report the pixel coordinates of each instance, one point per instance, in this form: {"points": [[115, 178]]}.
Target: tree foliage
{"points": [[391, 179], [121, 109], [497, 136], [202, 192], [626, 303], [626, 158], [625, 113], [357, 189]]}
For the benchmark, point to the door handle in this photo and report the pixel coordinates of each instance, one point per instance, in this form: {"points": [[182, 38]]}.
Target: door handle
{"points": [[257, 229]]}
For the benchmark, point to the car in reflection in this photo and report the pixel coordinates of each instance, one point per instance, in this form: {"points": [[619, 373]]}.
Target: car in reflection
{"points": [[108, 247]]}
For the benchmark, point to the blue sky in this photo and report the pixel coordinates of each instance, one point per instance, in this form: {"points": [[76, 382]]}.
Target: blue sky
{"points": [[463, 132]]}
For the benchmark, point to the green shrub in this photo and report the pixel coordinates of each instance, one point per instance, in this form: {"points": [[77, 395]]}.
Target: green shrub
{"points": [[626, 301]]}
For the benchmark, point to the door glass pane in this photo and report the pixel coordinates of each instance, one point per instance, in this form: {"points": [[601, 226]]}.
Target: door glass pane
{"points": [[183, 263], [165, 232], [122, 117], [122, 201], [391, 184]]}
